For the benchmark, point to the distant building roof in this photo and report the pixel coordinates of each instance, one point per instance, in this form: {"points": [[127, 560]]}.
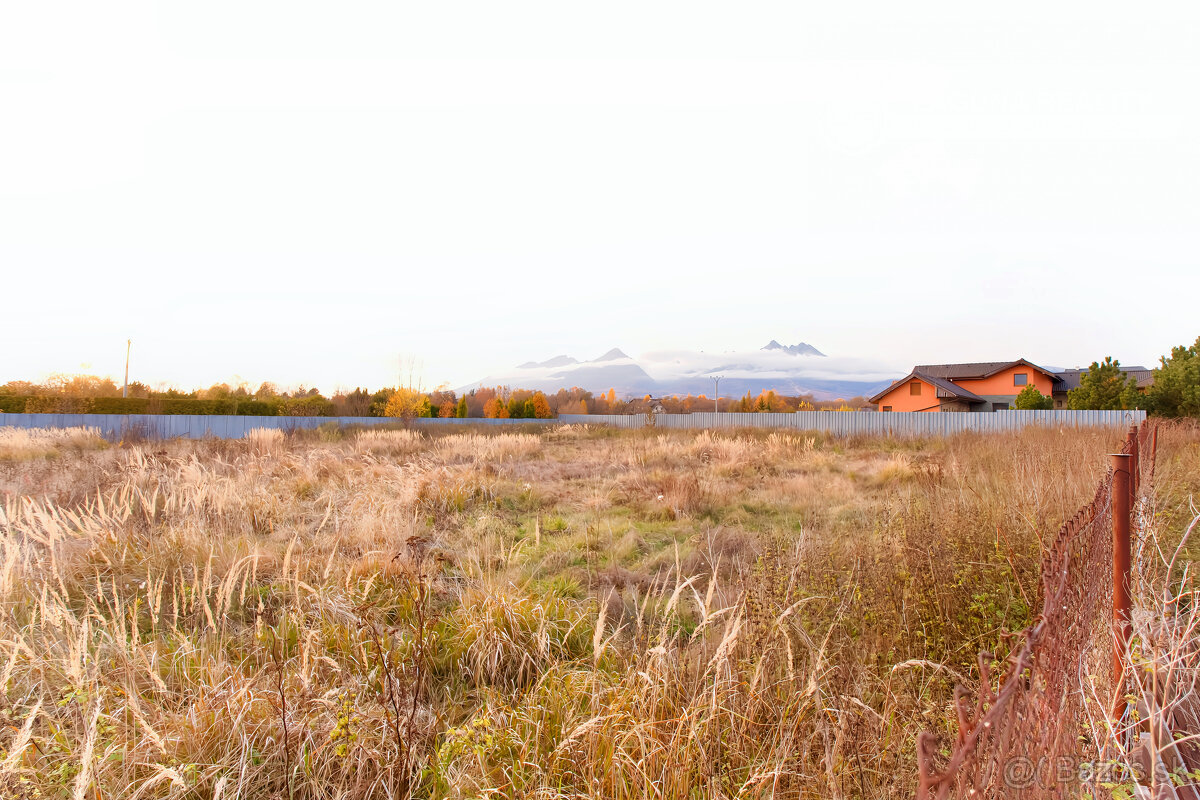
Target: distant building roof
{"points": [[1070, 378]]}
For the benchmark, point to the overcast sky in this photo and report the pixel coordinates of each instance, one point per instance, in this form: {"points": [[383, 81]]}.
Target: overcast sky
{"points": [[308, 192]]}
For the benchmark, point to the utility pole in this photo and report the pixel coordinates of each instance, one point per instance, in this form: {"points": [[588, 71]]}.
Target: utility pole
{"points": [[125, 390], [717, 392]]}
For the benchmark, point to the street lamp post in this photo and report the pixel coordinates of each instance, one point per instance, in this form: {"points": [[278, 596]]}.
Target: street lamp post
{"points": [[717, 392]]}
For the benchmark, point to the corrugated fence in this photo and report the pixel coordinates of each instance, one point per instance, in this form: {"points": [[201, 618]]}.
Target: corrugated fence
{"points": [[199, 426], [838, 423], [873, 423]]}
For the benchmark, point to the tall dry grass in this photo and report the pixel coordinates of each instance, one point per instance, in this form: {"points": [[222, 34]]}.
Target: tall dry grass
{"points": [[571, 614], [20, 444]]}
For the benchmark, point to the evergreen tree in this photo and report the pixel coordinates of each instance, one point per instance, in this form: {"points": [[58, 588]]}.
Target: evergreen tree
{"points": [[1176, 389], [461, 410], [1105, 387], [1030, 399]]}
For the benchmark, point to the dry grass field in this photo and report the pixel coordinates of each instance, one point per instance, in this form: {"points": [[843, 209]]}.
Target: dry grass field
{"points": [[570, 612]]}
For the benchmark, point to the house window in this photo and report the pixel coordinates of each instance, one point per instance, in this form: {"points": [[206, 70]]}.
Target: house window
{"points": [[914, 387], [999, 406], [1021, 379], [887, 408]]}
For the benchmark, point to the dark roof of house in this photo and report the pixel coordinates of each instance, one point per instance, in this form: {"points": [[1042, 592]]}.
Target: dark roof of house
{"points": [[945, 390], [952, 371], [980, 369], [1070, 377]]}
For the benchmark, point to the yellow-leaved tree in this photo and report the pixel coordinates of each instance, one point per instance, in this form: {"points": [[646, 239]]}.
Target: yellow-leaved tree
{"points": [[406, 404]]}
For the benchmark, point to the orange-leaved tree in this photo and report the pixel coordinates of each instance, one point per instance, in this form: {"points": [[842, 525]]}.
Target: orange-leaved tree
{"points": [[495, 408], [541, 406]]}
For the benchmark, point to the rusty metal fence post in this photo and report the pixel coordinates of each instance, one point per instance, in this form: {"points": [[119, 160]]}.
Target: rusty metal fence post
{"points": [[1135, 468], [1122, 600]]}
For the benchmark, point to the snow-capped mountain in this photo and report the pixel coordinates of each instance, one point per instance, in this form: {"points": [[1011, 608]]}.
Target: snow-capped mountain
{"points": [[787, 369]]}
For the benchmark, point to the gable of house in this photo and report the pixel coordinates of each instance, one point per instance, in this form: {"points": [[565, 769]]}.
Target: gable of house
{"points": [[1010, 381], [909, 394], [920, 392]]}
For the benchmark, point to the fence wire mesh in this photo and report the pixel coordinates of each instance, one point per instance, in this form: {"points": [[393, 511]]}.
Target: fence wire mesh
{"points": [[1026, 733]]}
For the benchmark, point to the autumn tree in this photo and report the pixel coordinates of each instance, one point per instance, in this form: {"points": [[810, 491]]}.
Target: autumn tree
{"points": [[443, 402], [19, 388], [570, 401], [495, 408], [461, 410], [541, 406], [354, 404], [477, 399], [407, 403], [83, 386], [218, 391], [573, 407], [767, 401]]}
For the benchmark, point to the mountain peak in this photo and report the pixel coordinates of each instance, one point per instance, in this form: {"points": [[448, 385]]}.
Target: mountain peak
{"points": [[801, 349], [612, 355], [560, 361], [557, 361]]}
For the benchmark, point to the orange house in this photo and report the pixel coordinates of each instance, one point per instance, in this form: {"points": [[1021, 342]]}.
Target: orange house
{"points": [[985, 386]]}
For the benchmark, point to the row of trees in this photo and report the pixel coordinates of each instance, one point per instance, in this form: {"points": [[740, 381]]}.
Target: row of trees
{"points": [[82, 394], [1174, 392], [769, 401]]}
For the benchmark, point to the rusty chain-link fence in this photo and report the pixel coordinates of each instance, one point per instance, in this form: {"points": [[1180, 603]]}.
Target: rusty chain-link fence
{"points": [[1025, 734]]}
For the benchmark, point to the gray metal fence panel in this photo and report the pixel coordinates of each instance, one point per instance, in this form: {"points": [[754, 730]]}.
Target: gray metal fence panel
{"points": [[198, 426], [870, 423], [837, 423]]}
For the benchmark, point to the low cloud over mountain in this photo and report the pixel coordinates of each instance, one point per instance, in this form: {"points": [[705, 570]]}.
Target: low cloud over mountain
{"points": [[787, 369]]}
